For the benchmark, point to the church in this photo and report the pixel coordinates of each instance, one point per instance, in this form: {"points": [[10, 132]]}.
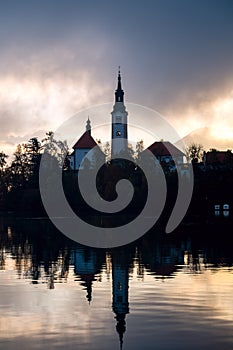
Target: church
{"points": [[82, 149], [119, 139]]}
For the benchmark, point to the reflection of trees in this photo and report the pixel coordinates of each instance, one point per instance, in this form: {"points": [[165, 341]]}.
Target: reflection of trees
{"points": [[195, 261], [161, 256], [39, 253], [43, 255], [2, 259]]}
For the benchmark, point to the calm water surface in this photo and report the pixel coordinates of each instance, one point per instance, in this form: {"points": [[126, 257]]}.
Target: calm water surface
{"points": [[159, 293]]}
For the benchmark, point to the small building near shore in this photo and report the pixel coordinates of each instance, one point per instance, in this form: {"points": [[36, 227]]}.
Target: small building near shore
{"points": [[170, 157], [82, 157], [218, 159], [166, 152]]}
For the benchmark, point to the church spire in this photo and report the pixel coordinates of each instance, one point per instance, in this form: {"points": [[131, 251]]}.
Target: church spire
{"points": [[121, 327], [88, 126], [119, 93]]}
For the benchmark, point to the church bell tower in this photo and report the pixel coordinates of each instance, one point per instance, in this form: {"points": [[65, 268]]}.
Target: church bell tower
{"points": [[119, 122]]}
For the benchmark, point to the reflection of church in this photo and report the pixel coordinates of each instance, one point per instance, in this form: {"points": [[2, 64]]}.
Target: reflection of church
{"points": [[120, 291], [88, 264]]}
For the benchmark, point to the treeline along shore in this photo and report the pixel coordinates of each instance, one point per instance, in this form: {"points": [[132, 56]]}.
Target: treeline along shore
{"points": [[212, 196]]}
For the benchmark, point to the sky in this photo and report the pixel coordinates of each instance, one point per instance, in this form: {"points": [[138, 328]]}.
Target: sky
{"points": [[59, 57]]}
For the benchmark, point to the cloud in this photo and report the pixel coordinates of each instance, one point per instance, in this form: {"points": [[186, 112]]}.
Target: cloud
{"points": [[45, 92], [61, 56]]}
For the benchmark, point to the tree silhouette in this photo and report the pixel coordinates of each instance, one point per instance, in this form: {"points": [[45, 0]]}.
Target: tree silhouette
{"points": [[194, 152]]}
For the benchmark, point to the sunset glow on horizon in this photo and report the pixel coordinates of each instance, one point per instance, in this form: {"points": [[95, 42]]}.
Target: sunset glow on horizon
{"points": [[58, 59], [45, 105]]}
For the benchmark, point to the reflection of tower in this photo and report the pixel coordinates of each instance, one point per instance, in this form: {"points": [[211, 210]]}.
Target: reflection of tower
{"points": [[85, 266], [120, 286], [119, 121]]}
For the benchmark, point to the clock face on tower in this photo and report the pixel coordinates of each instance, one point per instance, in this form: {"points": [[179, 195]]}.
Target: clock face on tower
{"points": [[118, 130]]}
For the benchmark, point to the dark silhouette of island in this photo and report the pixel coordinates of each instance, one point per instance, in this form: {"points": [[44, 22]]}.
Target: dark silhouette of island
{"points": [[20, 192]]}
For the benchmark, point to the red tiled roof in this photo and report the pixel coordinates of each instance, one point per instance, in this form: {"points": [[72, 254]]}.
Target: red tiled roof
{"points": [[85, 141], [219, 157], [165, 149]]}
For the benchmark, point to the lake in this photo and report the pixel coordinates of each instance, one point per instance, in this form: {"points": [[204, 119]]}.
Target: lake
{"points": [[162, 292]]}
